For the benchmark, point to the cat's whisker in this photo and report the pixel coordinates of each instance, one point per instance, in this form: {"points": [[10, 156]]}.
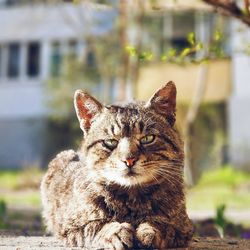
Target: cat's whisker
{"points": [[162, 163], [166, 175], [167, 167], [173, 170], [154, 177], [176, 174]]}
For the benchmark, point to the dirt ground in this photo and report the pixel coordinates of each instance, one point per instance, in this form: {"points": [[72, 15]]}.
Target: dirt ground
{"points": [[50, 243]]}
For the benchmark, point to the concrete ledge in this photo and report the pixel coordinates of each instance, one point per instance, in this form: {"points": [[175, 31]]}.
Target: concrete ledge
{"points": [[50, 243]]}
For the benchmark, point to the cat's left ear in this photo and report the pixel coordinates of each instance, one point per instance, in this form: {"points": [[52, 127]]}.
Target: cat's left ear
{"points": [[164, 102], [87, 107]]}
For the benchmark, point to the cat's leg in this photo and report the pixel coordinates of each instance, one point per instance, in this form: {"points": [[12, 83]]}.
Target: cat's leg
{"points": [[175, 238], [113, 235], [73, 237], [80, 236], [148, 236]]}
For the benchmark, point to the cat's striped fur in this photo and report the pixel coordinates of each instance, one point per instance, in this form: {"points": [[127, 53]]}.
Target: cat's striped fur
{"points": [[124, 187]]}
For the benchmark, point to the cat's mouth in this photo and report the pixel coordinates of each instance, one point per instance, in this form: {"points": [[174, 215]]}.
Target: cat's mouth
{"points": [[131, 173]]}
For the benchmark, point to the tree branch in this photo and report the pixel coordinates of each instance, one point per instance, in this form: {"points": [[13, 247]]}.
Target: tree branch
{"points": [[230, 8], [247, 7]]}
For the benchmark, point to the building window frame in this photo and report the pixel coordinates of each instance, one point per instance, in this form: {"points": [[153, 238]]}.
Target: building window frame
{"points": [[33, 62], [56, 57], [13, 60]]}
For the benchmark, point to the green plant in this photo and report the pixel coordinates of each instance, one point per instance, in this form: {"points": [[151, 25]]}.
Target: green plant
{"points": [[213, 50], [220, 219], [29, 178], [3, 213], [226, 175]]}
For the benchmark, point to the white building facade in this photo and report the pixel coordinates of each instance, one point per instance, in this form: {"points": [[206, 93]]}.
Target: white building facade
{"points": [[239, 105], [33, 40]]}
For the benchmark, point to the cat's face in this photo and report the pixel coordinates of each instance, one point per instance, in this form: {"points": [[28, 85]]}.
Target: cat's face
{"points": [[132, 144]]}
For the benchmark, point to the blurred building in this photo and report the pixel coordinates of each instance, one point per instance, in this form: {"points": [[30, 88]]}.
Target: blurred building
{"points": [[239, 103], [34, 39], [226, 101]]}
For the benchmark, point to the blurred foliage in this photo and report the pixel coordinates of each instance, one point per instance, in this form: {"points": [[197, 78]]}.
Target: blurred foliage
{"points": [[208, 136], [8, 179], [27, 178], [3, 213], [224, 185], [213, 50], [227, 175], [21, 187], [20, 220], [75, 75], [24, 198], [220, 219]]}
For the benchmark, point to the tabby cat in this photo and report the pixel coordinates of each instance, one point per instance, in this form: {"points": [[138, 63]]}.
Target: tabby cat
{"points": [[123, 189]]}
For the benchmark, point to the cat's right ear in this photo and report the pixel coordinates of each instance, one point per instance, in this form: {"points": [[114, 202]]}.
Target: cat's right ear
{"points": [[164, 102], [87, 107]]}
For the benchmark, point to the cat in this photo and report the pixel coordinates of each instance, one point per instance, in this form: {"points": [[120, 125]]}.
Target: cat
{"points": [[123, 189]]}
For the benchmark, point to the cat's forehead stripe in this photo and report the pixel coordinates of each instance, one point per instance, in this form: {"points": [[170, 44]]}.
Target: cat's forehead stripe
{"points": [[113, 130], [126, 130], [128, 111], [168, 140], [141, 126]]}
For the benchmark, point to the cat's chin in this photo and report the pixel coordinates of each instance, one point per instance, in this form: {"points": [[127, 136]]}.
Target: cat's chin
{"points": [[128, 180]]}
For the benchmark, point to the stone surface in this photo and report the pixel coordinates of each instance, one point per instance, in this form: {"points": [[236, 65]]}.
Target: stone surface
{"points": [[50, 243]]}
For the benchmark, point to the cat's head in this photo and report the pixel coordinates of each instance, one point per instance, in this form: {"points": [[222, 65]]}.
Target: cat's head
{"points": [[132, 144]]}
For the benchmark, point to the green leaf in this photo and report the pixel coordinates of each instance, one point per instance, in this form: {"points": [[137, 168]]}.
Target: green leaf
{"points": [[185, 52], [191, 38], [171, 53], [199, 46], [164, 58], [131, 50], [220, 219], [3, 211], [146, 56], [217, 36]]}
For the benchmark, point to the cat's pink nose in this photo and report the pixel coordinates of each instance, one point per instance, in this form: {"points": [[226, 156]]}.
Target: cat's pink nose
{"points": [[130, 162]]}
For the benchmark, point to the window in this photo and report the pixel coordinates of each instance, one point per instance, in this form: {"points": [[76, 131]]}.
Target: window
{"points": [[13, 65], [33, 59], [72, 46], [56, 59], [91, 59], [183, 23], [179, 43]]}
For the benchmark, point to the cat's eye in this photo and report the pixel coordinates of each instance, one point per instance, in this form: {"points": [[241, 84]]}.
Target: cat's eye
{"points": [[110, 143], [147, 139]]}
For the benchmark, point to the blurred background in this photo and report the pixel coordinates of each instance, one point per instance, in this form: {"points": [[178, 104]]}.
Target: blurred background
{"points": [[120, 50]]}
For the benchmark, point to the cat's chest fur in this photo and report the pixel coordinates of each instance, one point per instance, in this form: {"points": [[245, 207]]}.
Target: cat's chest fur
{"points": [[134, 204]]}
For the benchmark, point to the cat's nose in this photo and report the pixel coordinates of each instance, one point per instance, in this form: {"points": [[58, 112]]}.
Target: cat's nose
{"points": [[130, 162]]}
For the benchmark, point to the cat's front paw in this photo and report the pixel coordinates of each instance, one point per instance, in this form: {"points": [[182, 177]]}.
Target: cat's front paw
{"points": [[74, 238], [115, 236], [148, 236]]}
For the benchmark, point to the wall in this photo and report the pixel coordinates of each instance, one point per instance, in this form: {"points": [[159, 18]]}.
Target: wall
{"points": [[218, 85], [239, 105], [22, 142]]}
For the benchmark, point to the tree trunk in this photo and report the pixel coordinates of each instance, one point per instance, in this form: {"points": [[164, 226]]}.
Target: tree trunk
{"points": [[193, 109]]}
